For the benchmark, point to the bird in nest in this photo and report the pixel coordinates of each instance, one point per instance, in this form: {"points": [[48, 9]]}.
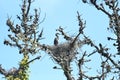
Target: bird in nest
{"points": [[56, 39]]}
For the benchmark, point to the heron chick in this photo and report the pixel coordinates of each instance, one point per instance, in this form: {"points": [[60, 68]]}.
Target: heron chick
{"points": [[56, 39]]}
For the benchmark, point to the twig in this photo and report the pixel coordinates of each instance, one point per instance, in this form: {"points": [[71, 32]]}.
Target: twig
{"points": [[33, 60]]}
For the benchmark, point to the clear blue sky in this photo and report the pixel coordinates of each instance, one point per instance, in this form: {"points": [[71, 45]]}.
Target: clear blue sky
{"points": [[58, 13]]}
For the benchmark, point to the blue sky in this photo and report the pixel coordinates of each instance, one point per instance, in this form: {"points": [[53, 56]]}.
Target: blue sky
{"points": [[58, 13]]}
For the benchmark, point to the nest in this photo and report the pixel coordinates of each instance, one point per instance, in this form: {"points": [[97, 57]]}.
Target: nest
{"points": [[65, 51]]}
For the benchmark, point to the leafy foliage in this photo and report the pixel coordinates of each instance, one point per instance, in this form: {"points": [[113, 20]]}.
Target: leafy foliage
{"points": [[26, 38]]}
